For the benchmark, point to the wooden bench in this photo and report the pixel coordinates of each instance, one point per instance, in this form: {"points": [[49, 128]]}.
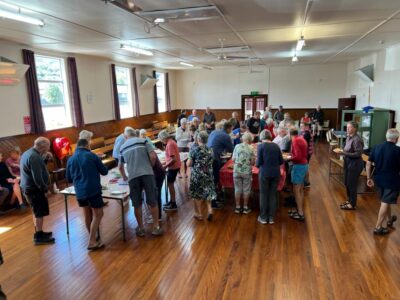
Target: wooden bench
{"points": [[110, 141]]}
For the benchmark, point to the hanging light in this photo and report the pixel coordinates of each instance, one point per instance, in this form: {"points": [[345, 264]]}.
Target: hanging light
{"points": [[295, 58], [300, 44]]}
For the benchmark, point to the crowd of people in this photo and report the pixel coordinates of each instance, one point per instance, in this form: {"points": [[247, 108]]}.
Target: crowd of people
{"points": [[267, 141]]}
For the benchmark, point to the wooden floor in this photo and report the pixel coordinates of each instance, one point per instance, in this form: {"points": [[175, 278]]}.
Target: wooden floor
{"points": [[333, 255]]}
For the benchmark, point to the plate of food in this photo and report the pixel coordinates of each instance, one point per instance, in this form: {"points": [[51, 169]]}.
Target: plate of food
{"points": [[117, 192]]}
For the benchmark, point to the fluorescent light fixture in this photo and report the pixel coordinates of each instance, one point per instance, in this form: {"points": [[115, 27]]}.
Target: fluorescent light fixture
{"points": [[159, 20], [295, 59], [186, 64], [136, 50], [20, 17], [300, 43], [207, 68]]}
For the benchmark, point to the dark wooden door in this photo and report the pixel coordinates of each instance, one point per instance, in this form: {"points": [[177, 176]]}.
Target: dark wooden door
{"points": [[251, 104], [344, 104]]}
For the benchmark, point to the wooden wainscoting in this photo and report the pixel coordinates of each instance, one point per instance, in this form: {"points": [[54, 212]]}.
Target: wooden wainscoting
{"points": [[104, 129]]}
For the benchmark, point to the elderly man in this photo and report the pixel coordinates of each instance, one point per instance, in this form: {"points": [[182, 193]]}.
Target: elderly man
{"points": [[235, 117], [282, 139], [85, 135], [34, 182], [386, 157], [278, 115], [119, 141], [83, 170], [209, 119], [193, 115], [139, 157]]}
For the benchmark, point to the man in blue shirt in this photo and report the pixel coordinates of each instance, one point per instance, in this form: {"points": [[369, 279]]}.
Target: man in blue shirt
{"points": [[386, 157], [220, 141], [83, 170], [119, 141], [193, 115]]}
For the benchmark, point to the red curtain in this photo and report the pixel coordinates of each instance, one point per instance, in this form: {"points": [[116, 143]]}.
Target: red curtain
{"points": [[167, 92], [117, 114], [75, 93], [136, 93], [155, 94], [35, 108]]}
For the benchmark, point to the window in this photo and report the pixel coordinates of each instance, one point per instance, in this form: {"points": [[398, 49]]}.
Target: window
{"points": [[124, 92], [53, 92], [162, 107]]}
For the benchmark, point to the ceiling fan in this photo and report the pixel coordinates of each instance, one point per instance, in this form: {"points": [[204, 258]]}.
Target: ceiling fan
{"points": [[222, 52]]}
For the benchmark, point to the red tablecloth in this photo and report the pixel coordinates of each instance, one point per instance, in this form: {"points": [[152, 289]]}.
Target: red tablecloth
{"points": [[226, 176]]}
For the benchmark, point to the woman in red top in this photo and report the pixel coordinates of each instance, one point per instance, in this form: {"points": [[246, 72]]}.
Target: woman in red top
{"points": [[173, 163], [270, 125], [306, 118]]}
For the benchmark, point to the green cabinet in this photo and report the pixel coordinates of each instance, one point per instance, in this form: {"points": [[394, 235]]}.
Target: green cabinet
{"points": [[372, 126]]}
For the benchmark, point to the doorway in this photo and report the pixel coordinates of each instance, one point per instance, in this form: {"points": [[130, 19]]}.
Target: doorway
{"points": [[251, 104]]}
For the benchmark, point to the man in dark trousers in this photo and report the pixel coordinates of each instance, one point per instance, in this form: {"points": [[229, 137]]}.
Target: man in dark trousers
{"points": [[83, 170], [318, 120], [34, 184], [386, 157], [209, 119]]}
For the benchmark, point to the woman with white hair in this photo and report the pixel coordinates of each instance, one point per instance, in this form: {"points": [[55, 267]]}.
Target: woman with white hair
{"points": [[201, 188], [173, 163], [183, 139], [243, 158], [270, 126], [195, 121]]}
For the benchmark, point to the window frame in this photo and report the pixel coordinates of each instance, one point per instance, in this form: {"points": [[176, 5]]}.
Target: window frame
{"points": [[129, 92], [65, 89], [164, 97]]}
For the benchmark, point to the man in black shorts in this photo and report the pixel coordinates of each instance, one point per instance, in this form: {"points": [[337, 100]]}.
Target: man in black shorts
{"points": [[83, 170], [34, 182], [386, 157]]}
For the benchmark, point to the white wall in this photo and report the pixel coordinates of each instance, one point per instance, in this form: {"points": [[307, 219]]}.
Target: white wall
{"points": [[385, 91], [94, 76], [291, 86]]}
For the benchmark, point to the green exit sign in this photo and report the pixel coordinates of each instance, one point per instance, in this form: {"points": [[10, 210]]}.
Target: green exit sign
{"points": [[254, 93]]}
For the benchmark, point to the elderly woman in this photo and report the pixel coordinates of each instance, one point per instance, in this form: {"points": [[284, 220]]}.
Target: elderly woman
{"points": [[270, 125], [269, 160], [282, 139], [10, 182], [173, 163], [287, 121], [195, 122], [183, 139], [353, 164], [243, 158], [202, 186], [13, 161]]}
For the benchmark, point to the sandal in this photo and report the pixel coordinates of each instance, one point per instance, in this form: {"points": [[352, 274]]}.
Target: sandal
{"points": [[98, 246], [381, 231], [198, 217], [292, 212], [344, 203], [348, 206], [298, 217], [391, 221]]}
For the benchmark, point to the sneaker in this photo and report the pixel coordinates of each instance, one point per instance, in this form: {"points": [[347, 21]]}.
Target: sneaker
{"points": [[157, 231], [140, 232], [172, 206], [246, 210], [40, 239], [391, 221], [47, 233], [271, 220], [22, 206], [238, 210], [167, 203], [216, 205], [262, 221]]}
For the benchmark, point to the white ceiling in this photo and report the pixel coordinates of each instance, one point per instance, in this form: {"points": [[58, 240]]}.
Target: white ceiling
{"points": [[269, 27]]}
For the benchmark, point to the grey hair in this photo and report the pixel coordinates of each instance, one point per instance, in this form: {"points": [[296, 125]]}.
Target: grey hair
{"points": [[142, 132], [184, 121], [392, 134], [85, 135], [202, 137], [269, 121], [353, 124], [280, 129], [194, 119], [129, 132], [163, 135], [265, 135], [247, 137], [41, 143]]}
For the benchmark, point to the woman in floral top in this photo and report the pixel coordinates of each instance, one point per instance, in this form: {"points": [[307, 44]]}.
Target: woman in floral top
{"points": [[244, 159], [201, 177]]}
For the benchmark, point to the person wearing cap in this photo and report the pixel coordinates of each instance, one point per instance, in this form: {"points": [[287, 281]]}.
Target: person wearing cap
{"points": [[173, 163]]}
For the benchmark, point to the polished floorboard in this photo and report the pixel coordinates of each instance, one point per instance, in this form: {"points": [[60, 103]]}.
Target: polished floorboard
{"points": [[333, 255]]}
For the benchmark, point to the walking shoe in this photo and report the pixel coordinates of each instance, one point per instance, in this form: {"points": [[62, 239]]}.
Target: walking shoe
{"points": [[238, 210], [47, 233], [381, 231], [172, 206], [391, 221], [246, 210], [157, 231], [22, 206], [262, 221], [167, 203], [40, 239], [271, 220], [140, 232]]}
